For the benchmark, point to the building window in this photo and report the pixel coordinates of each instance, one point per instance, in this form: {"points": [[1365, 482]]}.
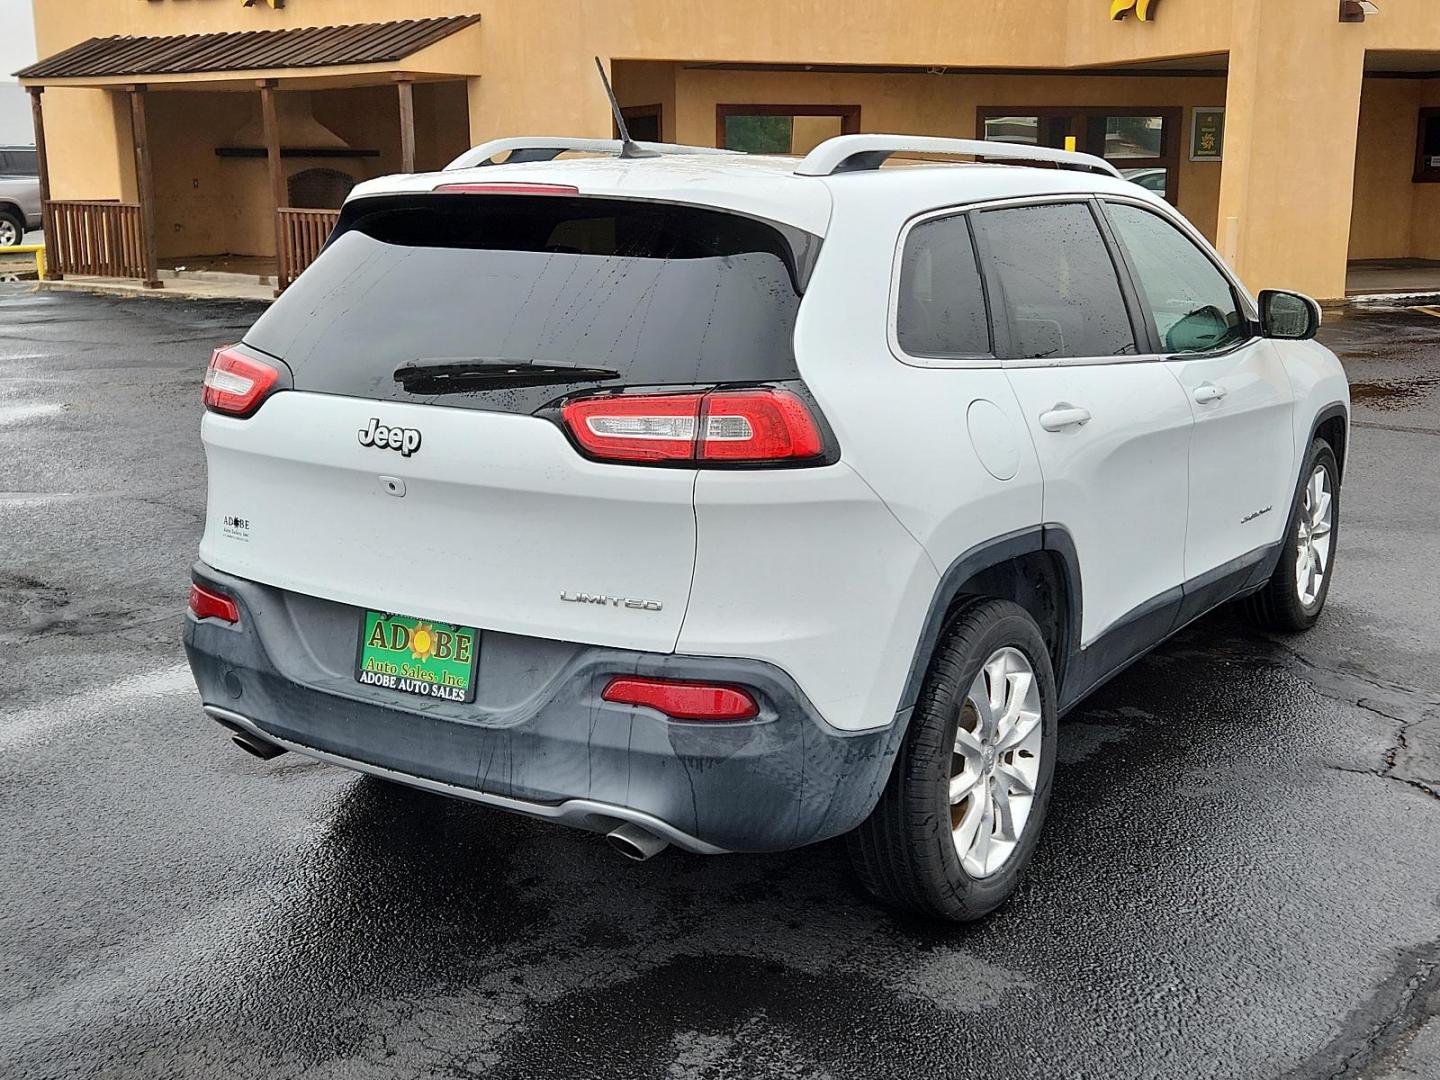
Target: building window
{"points": [[782, 129], [1144, 144], [1427, 150], [643, 122]]}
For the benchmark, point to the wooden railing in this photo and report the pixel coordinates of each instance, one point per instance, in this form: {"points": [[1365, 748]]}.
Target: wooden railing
{"points": [[96, 236], [302, 234]]}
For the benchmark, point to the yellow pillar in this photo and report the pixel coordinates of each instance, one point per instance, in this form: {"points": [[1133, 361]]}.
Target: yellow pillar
{"points": [[1292, 114]]}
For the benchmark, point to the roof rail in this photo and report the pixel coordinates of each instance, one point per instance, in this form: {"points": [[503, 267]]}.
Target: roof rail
{"points": [[544, 148], [859, 153]]}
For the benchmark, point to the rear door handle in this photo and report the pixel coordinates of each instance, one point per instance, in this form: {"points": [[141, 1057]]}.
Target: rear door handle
{"points": [[1208, 393], [1064, 415]]}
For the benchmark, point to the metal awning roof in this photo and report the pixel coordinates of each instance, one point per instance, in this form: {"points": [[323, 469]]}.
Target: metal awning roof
{"points": [[247, 50]]}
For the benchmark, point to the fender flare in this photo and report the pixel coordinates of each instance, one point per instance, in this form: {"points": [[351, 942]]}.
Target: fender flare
{"points": [[1053, 539], [1336, 409]]}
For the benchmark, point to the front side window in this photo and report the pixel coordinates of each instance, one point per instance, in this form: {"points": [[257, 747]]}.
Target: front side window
{"points": [[1061, 292], [940, 311], [1193, 305]]}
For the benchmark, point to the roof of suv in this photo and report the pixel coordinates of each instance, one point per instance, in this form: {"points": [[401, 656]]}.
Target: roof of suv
{"points": [[767, 186]]}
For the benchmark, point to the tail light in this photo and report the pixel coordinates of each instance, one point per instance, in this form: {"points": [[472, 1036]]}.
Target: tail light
{"points": [[684, 700], [236, 383], [212, 605], [759, 426]]}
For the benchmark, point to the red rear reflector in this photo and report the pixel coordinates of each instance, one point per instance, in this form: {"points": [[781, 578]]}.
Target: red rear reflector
{"points": [[507, 189], [735, 426], [683, 700], [210, 605], [235, 384]]}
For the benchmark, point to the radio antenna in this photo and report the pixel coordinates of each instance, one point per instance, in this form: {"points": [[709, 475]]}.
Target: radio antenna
{"points": [[629, 148]]}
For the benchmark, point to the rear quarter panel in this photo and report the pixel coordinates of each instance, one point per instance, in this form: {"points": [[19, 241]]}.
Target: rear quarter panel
{"points": [[904, 432]]}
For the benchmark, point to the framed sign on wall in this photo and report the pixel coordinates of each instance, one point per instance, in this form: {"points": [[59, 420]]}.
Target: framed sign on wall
{"points": [[1207, 135]]}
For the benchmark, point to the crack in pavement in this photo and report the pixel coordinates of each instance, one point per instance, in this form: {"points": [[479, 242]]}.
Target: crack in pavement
{"points": [[1375, 1034], [1396, 701]]}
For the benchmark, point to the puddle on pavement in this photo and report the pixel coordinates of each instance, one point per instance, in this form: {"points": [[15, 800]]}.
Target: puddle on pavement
{"points": [[1392, 393]]}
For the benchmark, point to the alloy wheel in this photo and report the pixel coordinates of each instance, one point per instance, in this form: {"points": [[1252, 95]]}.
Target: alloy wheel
{"points": [[9, 235], [995, 766], [1313, 537]]}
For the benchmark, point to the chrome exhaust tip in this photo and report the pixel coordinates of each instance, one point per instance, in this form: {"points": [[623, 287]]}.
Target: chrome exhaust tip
{"points": [[636, 843]]}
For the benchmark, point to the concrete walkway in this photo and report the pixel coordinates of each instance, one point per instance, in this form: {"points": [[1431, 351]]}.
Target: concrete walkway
{"points": [[207, 287], [1393, 277]]}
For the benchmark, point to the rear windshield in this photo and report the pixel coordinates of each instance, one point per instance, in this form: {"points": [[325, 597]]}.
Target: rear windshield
{"points": [[658, 294]]}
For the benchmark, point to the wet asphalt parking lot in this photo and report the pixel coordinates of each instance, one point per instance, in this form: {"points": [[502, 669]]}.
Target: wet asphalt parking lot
{"points": [[1240, 875]]}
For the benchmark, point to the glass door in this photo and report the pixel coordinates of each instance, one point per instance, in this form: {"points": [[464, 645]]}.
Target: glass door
{"points": [[1144, 144]]}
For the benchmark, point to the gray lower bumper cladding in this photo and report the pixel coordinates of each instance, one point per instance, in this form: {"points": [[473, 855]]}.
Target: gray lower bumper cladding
{"points": [[539, 739]]}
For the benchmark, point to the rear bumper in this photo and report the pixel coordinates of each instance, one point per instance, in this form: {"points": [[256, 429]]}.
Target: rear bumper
{"points": [[538, 739]]}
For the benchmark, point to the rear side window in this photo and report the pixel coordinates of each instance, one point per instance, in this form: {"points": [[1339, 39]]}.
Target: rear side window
{"points": [[659, 294], [940, 311], [1062, 296]]}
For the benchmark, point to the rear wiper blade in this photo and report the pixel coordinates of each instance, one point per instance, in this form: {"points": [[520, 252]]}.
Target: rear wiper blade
{"points": [[456, 376]]}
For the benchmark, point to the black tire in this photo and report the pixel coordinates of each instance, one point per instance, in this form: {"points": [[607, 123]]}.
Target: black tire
{"points": [[905, 853], [15, 221], [1279, 605]]}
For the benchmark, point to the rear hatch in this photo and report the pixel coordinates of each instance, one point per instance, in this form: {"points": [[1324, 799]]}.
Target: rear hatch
{"points": [[413, 461]]}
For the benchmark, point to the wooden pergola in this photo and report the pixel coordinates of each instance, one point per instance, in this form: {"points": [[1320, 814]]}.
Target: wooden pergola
{"points": [[112, 238]]}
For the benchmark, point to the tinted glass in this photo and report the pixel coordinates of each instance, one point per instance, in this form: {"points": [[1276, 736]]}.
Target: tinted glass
{"points": [[1061, 292], [644, 128], [660, 294], [1430, 141], [1191, 301], [1024, 130], [941, 307], [1128, 137], [764, 133], [1154, 182], [19, 163]]}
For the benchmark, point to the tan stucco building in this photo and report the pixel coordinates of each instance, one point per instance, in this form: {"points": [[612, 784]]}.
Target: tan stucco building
{"points": [[1330, 151]]}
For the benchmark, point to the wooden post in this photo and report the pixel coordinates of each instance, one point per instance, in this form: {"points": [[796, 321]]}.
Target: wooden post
{"points": [[56, 267], [278, 197], [406, 90], [144, 186]]}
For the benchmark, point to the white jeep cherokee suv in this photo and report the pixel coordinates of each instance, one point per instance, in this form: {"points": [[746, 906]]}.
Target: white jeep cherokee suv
{"points": [[740, 502]]}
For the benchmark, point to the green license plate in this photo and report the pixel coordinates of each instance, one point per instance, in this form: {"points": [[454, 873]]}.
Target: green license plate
{"points": [[417, 656]]}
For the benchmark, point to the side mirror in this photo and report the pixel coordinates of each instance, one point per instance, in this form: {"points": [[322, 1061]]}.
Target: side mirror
{"points": [[1288, 316]]}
